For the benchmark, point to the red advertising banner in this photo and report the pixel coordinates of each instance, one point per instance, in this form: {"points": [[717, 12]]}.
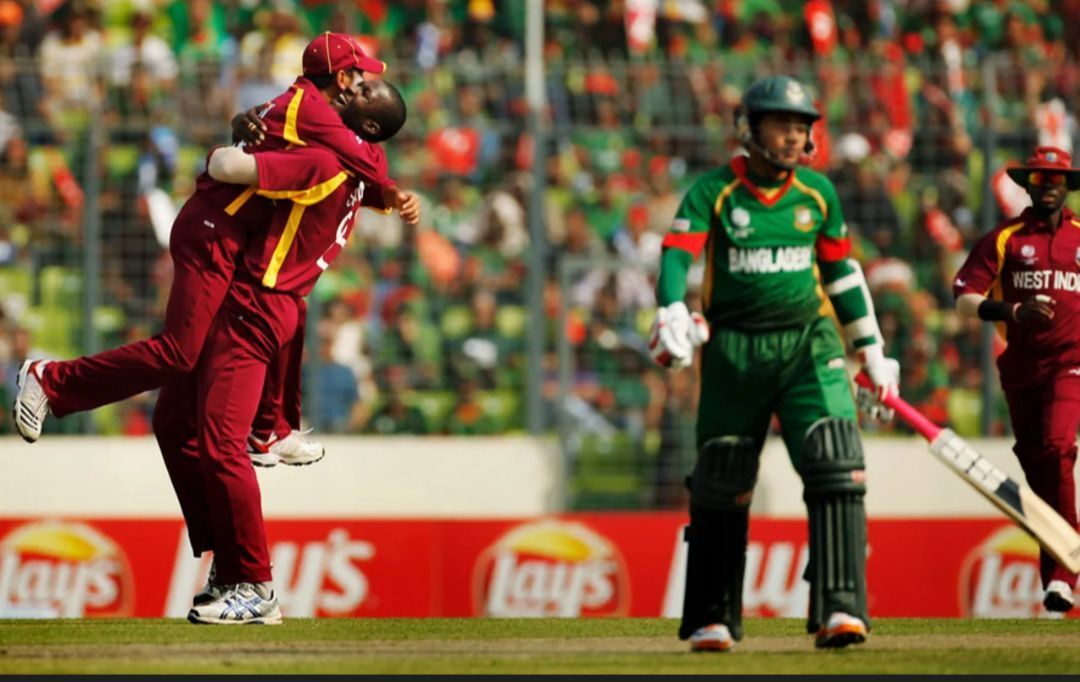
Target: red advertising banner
{"points": [[577, 565]]}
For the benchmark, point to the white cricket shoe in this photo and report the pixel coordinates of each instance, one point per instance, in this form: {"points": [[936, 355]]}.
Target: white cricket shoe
{"points": [[711, 638], [840, 630], [240, 604], [294, 450], [209, 591], [1059, 597], [31, 405]]}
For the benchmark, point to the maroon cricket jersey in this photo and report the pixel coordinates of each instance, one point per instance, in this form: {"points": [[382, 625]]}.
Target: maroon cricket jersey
{"points": [[301, 117], [1020, 258], [315, 204]]}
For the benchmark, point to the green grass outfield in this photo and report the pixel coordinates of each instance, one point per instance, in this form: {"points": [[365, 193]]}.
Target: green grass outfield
{"points": [[418, 646]]}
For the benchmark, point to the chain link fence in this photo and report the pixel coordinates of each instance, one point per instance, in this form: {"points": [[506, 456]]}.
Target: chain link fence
{"points": [[431, 323]]}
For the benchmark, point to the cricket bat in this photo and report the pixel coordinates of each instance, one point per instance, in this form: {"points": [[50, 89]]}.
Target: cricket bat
{"points": [[1018, 501]]}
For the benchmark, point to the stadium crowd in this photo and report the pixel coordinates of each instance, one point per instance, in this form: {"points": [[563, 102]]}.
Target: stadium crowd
{"points": [[113, 105]]}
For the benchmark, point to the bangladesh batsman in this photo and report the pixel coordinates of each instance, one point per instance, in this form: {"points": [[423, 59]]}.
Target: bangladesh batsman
{"points": [[765, 224]]}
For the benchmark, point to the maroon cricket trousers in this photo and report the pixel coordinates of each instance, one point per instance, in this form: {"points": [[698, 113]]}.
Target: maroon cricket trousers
{"points": [[205, 245], [202, 421], [1044, 421]]}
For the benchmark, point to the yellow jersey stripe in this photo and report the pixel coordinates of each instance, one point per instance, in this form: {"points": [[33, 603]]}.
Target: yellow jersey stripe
{"points": [[291, 114], [724, 194], [240, 200], [710, 245], [269, 279], [307, 197], [1075, 223], [805, 189], [707, 284], [1002, 239], [995, 290]]}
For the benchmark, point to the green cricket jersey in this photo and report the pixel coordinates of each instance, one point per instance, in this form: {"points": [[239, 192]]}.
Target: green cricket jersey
{"points": [[760, 246]]}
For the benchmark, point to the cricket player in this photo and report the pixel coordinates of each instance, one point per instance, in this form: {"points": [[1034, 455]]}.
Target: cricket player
{"points": [[208, 413], [208, 235], [764, 223], [1025, 274]]}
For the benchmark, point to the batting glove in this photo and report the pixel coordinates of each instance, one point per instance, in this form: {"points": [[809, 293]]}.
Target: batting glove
{"points": [[674, 335], [884, 373]]}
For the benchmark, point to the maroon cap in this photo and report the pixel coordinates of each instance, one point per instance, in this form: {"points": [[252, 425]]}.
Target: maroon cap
{"points": [[1047, 159], [333, 52]]}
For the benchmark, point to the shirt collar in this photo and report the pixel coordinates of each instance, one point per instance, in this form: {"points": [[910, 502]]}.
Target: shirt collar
{"points": [[1034, 223]]}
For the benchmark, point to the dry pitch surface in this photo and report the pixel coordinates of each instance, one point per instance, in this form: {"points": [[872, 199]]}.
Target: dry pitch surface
{"points": [[462, 646]]}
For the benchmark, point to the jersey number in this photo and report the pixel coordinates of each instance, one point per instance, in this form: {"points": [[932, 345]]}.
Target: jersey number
{"points": [[343, 229]]}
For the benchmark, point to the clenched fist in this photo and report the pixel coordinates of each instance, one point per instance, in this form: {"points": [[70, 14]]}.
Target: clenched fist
{"points": [[1038, 309]]}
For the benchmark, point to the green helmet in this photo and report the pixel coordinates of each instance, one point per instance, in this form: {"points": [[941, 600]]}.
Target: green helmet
{"points": [[778, 94], [775, 94]]}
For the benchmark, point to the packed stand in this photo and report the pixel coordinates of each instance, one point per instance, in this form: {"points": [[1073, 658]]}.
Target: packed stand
{"points": [[111, 108]]}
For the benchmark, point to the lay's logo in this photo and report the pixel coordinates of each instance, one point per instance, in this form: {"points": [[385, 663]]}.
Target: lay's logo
{"points": [[1000, 578], [551, 569], [53, 569]]}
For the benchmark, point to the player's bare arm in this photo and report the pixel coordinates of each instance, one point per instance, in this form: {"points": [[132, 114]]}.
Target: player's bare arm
{"points": [[1037, 309], [233, 165]]}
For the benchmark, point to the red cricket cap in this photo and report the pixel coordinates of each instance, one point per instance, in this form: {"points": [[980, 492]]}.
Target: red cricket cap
{"points": [[1052, 159], [333, 52]]}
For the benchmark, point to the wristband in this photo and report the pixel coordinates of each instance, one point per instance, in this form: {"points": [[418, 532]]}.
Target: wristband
{"points": [[993, 310]]}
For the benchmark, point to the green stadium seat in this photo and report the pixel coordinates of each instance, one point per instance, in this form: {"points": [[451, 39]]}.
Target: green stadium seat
{"points": [[511, 320], [456, 322], [504, 408], [607, 473], [434, 405], [643, 320], [60, 287], [16, 290], [121, 161], [965, 411], [54, 330], [16, 280]]}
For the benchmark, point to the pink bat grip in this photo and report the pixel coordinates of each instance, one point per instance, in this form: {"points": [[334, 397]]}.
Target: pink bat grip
{"points": [[926, 428]]}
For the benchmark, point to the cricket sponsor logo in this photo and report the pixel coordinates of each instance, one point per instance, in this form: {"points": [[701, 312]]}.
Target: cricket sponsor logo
{"points": [[1046, 279], [773, 584], [322, 578], [769, 260], [551, 568], [1000, 577], [56, 569]]}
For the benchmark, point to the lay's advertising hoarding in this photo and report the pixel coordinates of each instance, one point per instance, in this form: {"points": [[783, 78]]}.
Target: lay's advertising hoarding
{"points": [[577, 565]]}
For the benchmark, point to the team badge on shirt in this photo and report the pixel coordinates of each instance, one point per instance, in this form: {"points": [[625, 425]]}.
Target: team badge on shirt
{"points": [[804, 219]]}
